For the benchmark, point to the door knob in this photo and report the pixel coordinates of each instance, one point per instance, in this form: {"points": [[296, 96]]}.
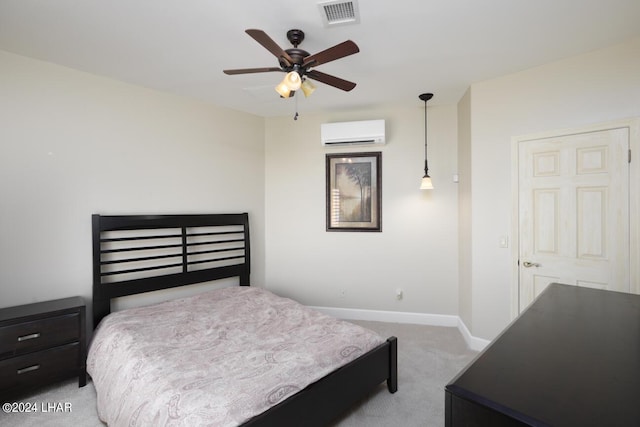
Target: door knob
{"points": [[530, 264]]}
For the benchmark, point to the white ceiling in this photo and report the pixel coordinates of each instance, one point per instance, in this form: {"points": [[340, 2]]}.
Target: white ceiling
{"points": [[407, 47]]}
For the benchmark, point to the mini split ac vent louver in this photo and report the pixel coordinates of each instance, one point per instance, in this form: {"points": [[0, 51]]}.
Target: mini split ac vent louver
{"points": [[339, 12]]}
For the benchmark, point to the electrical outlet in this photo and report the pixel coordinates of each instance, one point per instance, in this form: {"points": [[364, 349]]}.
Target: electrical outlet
{"points": [[399, 294]]}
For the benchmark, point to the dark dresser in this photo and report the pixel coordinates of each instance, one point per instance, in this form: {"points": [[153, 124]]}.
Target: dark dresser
{"points": [[571, 359], [41, 343]]}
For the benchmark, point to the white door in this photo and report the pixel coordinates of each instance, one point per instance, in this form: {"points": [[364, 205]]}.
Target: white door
{"points": [[574, 212]]}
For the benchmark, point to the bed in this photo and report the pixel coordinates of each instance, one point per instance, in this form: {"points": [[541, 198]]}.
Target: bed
{"points": [[237, 355]]}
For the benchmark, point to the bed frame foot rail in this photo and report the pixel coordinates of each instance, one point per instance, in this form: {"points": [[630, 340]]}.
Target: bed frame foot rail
{"points": [[323, 402]]}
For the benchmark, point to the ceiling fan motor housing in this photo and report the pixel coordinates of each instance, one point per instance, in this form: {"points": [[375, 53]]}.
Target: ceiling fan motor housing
{"points": [[295, 37], [297, 55]]}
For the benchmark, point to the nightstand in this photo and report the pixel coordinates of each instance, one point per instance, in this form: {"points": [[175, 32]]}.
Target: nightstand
{"points": [[42, 343]]}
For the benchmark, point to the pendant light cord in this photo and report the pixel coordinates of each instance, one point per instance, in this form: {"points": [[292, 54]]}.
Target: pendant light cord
{"points": [[426, 165]]}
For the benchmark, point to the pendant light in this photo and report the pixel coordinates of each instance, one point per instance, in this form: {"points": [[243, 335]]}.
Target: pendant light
{"points": [[426, 183]]}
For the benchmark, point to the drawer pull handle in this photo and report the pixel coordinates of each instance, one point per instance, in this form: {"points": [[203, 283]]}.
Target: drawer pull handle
{"points": [[29, 337], [29, 369]]}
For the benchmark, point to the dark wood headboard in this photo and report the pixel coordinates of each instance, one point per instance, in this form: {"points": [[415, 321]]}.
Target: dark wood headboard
{"points": [[134, 254]]}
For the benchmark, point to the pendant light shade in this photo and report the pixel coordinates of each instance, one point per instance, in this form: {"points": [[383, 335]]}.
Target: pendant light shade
{"points": [[426, 183]]}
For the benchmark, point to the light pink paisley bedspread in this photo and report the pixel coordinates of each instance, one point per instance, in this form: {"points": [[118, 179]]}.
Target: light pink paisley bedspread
{"points": [[215, 359]]}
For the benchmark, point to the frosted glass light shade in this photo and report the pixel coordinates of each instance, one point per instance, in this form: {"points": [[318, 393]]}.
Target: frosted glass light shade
{"points": [[283, 90], [426, 183], [307, 88], [292, 80]]}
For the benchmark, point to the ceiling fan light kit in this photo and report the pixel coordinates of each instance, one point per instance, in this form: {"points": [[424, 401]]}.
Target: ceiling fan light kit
{"points": [[299, 64]]}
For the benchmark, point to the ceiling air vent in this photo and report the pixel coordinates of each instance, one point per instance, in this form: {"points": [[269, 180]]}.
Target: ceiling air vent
{"points": [[339, 12]]}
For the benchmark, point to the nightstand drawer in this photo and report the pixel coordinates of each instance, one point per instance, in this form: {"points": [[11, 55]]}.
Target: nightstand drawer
{"points": [[39, 367], [25, 337]]}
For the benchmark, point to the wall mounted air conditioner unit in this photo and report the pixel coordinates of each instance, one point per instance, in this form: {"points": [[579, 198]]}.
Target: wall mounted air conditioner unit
{"points": [[352, 133]]}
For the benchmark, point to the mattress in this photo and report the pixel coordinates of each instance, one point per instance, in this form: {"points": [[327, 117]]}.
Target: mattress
{"points": [[218, 358]]}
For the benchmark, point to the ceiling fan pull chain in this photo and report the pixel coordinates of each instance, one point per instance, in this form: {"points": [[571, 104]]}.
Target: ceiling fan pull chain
{"points": [[295, 117]]}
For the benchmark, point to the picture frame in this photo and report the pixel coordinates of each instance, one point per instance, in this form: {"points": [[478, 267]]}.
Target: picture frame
{"points": [[354, 191]]}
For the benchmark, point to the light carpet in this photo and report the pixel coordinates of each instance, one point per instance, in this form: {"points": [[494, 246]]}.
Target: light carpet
{"points": [[428, 358]]}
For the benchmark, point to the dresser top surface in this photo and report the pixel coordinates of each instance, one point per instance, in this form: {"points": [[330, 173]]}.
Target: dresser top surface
{"points": [[572, 358]]}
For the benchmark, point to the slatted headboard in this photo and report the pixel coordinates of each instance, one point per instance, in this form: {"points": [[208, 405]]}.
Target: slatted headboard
{"points": [[134, 254]]}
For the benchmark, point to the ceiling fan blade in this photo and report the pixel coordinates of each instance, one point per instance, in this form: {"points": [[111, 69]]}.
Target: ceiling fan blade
{"points": [[251, 70], [268, 43], [331, 80], [336, 52]]}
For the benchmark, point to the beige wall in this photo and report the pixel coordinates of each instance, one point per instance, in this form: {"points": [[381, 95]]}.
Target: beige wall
{"points": [[73, 144], [417, 249], [601, 86]]}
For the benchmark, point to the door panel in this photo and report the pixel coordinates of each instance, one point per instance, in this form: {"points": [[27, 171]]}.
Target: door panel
{"points": [[546, 205], [574, 212]]}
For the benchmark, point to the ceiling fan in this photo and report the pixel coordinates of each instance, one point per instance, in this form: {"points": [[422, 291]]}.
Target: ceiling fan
{"points": [[299, 64]]}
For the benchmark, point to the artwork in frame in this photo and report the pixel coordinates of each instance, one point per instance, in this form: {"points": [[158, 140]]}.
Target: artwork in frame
{"points": [[354, 191]]}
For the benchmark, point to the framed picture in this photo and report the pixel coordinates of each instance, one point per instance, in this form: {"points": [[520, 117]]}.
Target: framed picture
{"points": [[354, 191]]}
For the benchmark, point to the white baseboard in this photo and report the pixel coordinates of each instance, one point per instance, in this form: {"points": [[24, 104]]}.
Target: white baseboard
{"points": [[474, 343], [447, 320]]}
